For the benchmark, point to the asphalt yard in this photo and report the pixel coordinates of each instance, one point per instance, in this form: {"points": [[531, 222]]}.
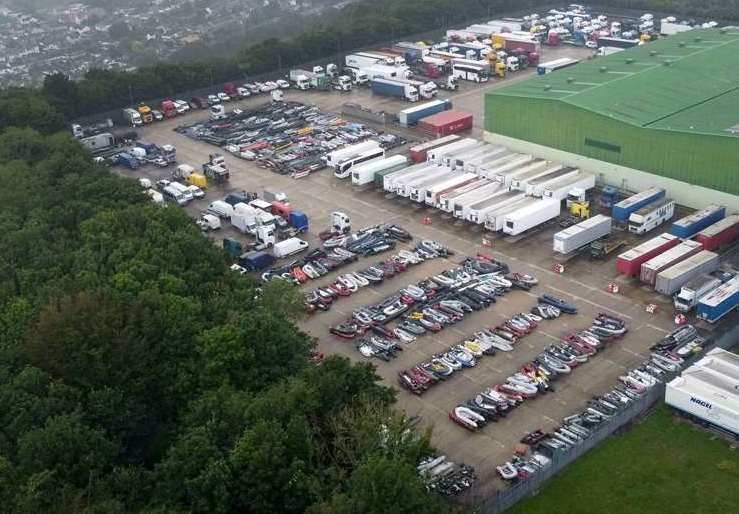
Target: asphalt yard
{"points": [[583, 283]]}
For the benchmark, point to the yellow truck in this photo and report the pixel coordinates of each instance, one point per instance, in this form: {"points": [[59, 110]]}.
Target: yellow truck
{"points": [[145, 112]]}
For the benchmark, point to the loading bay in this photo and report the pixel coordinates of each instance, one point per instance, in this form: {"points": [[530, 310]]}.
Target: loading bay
{"points": [[583, 283]]}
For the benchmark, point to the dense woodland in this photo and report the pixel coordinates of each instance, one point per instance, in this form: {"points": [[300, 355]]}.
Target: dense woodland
{"points": [[138, 374], [358, 24]]}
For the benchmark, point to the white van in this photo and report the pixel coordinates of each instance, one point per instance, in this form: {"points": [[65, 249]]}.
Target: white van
{"points": [[186, 192], [172, 194], [221, 209], [289, 246], [156, 196]]}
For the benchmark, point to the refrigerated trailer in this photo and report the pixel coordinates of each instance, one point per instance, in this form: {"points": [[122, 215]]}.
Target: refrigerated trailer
{"points": [[447, 199], [536, 186], [711, 397], [462, 205], [680, 252], [651, 216], [401, 185], [450, 159], [495, 217], [582, 234], [433, 192], [365, 173], [531, 216], [493, 168], [477, 163], [720, 302], [520, 182], [436, 155], [629, 262], [459, 160], [476, 212], [389, 180], [412, 188], [560, 188], [419, 188], [673, 278]]}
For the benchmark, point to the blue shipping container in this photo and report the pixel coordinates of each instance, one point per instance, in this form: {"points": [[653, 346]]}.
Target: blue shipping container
{"points": [[623, 209], [689, 226], [720, 302], [410, 116]]}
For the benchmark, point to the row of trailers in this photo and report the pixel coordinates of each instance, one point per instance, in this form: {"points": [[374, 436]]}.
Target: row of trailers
{"points": [[488, 185]]}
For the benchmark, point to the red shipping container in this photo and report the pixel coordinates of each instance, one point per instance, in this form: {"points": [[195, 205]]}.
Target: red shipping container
{"points": [[447, 122], [720, 233], [629, 263]]}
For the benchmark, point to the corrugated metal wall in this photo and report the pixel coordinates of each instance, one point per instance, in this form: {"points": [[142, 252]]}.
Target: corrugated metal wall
{"points": [[709, 161]]}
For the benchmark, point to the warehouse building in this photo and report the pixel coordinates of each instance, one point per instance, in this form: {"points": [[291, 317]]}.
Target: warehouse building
{"points": [[665, 113]]}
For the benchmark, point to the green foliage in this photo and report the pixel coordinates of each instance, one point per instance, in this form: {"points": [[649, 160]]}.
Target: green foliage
{"points": [[139, 374]]}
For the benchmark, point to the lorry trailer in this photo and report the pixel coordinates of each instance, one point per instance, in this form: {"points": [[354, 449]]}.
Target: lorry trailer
{"points": [[459, 161], [390, 180], [719, 302], [448, 198], [578, 236], [475, 212], [560, 188], [557, 64], [494, 218], [494, 153], [651, 268], [690, 225], [419, 152], [720, 233], [531, 216], [708, 396], [410, 116], [536, 186], [365, 173], [508, 175], [629, 263], [651, 216], [405, 186], [436, 155], [457, 158], [433, 192], [498, 169], [623, 209], [694, 290], [673, 278], [389, 87], [418, 188], [521, 181]]}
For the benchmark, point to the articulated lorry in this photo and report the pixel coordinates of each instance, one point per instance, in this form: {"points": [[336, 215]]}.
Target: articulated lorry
{"points": [[694, 290], [389, 87]]}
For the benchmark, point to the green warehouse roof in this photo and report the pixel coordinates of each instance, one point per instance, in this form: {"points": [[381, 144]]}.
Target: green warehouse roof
{"points": [[685, 82]]}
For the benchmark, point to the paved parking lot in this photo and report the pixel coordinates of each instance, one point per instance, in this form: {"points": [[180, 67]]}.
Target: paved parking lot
{"points": [[583, 283]]}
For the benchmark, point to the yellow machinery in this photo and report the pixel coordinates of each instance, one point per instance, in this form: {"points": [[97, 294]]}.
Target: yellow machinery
{"points": [[145, 112], [496, 66], [580, 209]]}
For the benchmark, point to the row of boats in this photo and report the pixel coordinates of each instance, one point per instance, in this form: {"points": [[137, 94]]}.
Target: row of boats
{"points": [[322, 298], [662, 365], [444, 476], [503, 337], [429, 306], [534, 378]]}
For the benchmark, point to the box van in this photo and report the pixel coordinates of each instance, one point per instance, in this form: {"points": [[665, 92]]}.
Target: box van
{"points": [[221, 209], [172, 194], [184, 190], [289, 246]]}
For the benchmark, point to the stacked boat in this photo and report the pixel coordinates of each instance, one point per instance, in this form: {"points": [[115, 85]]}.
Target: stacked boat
{"points": [[534, 378], [445, 476], [418, 379]]}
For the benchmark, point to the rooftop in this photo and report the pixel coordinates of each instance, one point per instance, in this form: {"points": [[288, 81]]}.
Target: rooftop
{"points": [[685, 82]]}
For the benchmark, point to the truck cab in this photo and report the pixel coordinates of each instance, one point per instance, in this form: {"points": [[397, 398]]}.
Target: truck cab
{"points": [[146, 114], [217, 112], [133, 117], [343, 83], [359, 78]]}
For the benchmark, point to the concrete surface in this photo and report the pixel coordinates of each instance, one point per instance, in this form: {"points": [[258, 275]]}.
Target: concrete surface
{"points": [[583, 283]]}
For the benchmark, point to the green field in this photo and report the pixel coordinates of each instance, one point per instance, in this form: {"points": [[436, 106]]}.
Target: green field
{"points": [[660, 466]]}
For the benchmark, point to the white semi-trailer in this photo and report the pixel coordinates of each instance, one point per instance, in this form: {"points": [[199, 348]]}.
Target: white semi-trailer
{"points": [[532, 216]]}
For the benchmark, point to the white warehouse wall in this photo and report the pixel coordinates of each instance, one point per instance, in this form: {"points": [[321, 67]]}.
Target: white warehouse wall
{"points": [[630, 179]]}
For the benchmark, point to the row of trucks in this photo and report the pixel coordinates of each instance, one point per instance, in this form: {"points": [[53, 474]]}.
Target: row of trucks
{"points": [[481, 183]]}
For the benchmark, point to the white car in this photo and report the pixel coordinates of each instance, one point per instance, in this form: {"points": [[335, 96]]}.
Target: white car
{"points": [[591, 44], [264, 88], [282, 84], [243, 92], [181, 106], [223, 97], [213, 100], [145, 183], [196, 191]]}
